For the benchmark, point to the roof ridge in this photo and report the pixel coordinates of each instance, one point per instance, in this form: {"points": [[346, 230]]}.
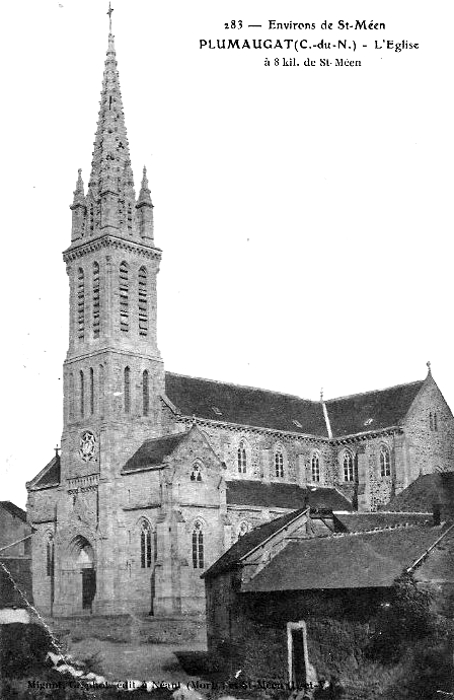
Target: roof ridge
{"points": [[244, 386], [375, 391], [378, 530], [180, 433]]}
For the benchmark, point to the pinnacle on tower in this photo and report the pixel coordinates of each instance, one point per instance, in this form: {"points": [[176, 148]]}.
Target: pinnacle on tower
{"points": [[144, 208], [78, 208]]}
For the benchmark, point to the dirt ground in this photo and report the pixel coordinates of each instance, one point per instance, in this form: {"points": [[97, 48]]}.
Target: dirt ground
{"points": [[119, 661]]}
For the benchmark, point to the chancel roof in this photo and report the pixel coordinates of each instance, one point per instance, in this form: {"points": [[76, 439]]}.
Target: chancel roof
{"points": [[366, 560], [248, 406], [366, 522], [373, 410]]}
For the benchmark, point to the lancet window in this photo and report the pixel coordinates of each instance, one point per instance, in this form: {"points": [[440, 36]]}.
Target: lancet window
{"points": [[143, 302], [124, 297]]}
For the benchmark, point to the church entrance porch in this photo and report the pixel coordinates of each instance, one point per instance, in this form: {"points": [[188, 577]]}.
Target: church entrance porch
{"points": [[77, 584]]}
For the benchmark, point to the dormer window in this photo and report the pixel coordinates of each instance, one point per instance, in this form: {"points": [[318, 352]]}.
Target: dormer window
{"points": [[216, 410], [297, 423]]}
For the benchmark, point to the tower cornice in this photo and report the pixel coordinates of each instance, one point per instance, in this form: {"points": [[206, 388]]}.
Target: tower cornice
{"points": [[113, 242]]}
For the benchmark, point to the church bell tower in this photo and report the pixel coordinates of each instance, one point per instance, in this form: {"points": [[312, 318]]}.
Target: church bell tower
{"points": [[113, 373]]}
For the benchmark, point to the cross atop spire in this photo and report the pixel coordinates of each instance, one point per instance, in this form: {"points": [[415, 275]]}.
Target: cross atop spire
{"points": [[109, 12]]}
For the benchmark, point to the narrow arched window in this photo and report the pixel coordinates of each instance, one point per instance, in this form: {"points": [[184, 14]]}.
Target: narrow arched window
{"points": [[435, 422], [143, 302], [385, 461], [348, 466], [71, 396], [279, 462], [431, 424], [196, 473], [124, 297], [80, 304], [242, 457], [127, 389], [92, 218], [198, 556], [145, 393], [145, 545], [81, 394], [315, 467], [50, 555], [101, 390], [92, 391], [129, 217], [95, 300]]}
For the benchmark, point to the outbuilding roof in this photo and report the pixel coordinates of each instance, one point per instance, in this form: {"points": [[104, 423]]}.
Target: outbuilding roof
{"points": [[248, 542], [50, 475], [426, 491], [14, 510], [368, 560]]}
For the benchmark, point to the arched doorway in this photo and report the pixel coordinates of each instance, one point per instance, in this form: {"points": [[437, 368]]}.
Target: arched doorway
{"points": [[84, 563]]}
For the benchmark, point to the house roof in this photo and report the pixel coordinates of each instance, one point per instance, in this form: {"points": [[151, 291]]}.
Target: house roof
{"points": [[244, 405], [275, 495], [366, 522], [153, 452], [426, 491], [14, 510], [367, 560], [50, 475], [373, 410], [248, 542]]}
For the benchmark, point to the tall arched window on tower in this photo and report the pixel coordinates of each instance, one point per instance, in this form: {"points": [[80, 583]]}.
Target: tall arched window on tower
{"points": [[145, 545], [71, 396], [92, 391], [81, 394], [95, 300], [348, 464], [385, 461], [50, 555], [242, 457], [80, 304], [315, 467], [127, 389], [145, 393], [143, 302], [124, 297], [101, 390], [198, 555]]}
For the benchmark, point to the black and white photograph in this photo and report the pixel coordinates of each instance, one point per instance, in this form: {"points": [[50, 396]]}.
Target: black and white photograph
{"points": [[227, 466]]}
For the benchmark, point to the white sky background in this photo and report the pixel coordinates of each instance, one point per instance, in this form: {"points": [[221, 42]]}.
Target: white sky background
{"points": [[305, 214]]}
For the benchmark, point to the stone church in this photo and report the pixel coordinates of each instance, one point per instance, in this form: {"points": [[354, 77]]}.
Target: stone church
{"points": [[160, 473]]}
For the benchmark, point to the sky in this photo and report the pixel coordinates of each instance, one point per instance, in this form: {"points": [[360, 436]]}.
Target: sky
{"points": [[304, 212]]}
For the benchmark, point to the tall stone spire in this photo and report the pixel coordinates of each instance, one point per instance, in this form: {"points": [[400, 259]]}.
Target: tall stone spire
{"points": [[111, 195]]}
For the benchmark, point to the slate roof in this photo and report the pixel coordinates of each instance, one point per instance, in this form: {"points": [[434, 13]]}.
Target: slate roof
{"points": [[51, 474], [248, 542], [14, 510], [152, 452], [368, 560], [244, 405], [365, 522], [372, 410], [424, 492], [255, 493]]}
